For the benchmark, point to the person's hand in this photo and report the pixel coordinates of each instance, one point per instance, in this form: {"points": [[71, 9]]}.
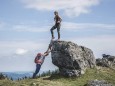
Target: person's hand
{"points": [[46, 53], [58, 21]]}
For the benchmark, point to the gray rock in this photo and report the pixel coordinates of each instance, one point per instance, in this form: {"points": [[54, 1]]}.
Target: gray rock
{"points": [[106, 61], [98, 83], [71, 59]]}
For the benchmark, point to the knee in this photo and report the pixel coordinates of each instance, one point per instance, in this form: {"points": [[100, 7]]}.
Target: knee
{"points": [[58, 31], [50, 29]]}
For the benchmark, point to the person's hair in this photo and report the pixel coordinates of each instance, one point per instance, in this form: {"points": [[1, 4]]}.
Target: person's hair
{"points": [[56, 12], [39, 54]]}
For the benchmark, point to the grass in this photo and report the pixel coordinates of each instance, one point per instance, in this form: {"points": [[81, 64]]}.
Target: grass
{"points": [[57, 80]]}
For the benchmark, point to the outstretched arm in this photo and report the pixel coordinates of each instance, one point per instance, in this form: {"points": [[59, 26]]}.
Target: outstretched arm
{"points": [[45, 54], [60, 19], [48, 50]]}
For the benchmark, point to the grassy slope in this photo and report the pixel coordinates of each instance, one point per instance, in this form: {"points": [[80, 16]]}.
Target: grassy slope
{"points": [[56, 80]]}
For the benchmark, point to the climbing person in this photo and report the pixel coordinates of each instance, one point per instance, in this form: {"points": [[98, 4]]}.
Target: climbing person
{"points": [[39, 59], [57, 25]]}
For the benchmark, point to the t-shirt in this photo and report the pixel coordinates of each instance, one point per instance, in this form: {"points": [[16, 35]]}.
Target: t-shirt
{"points": [[39, 60], [57, 19], [42, 58]]}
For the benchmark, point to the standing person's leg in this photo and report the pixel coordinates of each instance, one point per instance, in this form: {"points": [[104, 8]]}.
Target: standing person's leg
{"points": [[38, 66], [54, 27], [58, 30]]}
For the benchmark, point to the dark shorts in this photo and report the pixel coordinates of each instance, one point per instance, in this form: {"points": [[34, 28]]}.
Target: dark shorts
{"points": [[56, 26]]}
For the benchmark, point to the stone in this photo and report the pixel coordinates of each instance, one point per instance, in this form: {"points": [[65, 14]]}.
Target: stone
{"points": [[98, 83], [33, 84], [71, 59], [106, 61]]}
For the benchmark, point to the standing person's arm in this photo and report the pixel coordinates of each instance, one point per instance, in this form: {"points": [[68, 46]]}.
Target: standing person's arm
{"points": [[48, 51], [46, 54], [59, 19], [49, 47]]}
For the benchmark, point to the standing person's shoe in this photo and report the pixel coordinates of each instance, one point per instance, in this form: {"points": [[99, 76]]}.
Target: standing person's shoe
{"points": [[53, 38], [58, 40]]}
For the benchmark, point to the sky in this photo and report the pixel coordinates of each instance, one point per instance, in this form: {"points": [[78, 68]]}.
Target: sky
{"points": [[25, 29]]}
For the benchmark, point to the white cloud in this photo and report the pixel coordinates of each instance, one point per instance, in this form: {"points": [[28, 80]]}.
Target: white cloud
{"points": [[23, 27], [21, 54], [101, 44], [98, 44], [2, 24], [21, 51], [79, 26], [28, 28], [70, 7], [10, 48], [65, 25]]}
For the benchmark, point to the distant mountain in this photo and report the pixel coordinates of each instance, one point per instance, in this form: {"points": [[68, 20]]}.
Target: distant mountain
{"points": [[17, 75]]}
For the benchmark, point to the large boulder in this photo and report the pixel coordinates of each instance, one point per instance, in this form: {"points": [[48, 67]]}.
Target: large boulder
{"points": [[71, 59], [106, 61]]}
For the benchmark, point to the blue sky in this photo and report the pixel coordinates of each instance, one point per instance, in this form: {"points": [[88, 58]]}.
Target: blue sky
{"points": [[25, 29]]}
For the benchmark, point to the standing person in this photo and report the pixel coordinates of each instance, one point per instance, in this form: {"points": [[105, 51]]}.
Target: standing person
{"points": [[57, 25], [39, 59]]}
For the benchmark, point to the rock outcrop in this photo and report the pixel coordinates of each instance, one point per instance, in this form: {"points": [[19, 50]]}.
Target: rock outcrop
{"points": [[71, 59], [98, 83], [106, 61]]}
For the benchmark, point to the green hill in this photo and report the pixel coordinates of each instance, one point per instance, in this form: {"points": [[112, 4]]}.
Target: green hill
{"points": [[57, 80]]}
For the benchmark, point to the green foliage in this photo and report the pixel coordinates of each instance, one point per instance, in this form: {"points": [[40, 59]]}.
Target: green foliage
{"points": [[2, 76], [48, 73], [11, 78]]}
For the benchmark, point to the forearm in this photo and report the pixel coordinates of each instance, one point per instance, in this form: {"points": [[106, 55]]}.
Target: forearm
{"points": [[46, 54], [60, 19]]}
